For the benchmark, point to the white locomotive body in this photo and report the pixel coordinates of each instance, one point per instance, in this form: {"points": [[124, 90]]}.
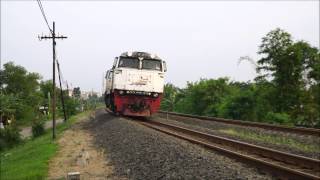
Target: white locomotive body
{"points": [[134, 85]]}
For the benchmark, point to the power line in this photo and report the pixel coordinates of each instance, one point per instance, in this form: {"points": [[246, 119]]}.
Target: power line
{"points": [[44, 15]]}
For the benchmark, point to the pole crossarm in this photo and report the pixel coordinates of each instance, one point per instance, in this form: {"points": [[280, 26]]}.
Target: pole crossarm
{"points": [[54, 37], [51, 37]]}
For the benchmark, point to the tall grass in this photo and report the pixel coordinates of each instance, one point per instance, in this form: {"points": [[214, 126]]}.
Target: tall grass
{"points": [[30, 160]]}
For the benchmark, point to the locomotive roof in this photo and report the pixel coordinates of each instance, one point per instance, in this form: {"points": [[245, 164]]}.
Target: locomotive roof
{"points": [[143, 55]]}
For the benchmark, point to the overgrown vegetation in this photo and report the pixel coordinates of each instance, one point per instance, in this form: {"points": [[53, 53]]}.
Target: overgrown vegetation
{"points": [[285, 91], [25, 101], [29, 160], [38, 128], [9, 137]]}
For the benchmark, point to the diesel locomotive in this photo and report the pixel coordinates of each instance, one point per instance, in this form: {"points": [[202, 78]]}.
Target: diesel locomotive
{"points": [[134, 84]]}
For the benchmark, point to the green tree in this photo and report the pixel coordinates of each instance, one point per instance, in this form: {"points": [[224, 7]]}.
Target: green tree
{"points": [[203, 97], [76, 92], [276, 64], [72, 106], [264, 95], [24, 86], [8, 103], [46, 88], [17, 80], [169, 97], [241, 103], [306, 103], [294, 71]]}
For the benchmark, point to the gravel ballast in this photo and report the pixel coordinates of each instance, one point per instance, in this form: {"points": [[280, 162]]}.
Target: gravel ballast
{"points": [[137, 152], [217, 128]]}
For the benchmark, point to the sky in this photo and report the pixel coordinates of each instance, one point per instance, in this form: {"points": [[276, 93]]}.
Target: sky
{"points": [[197, 39]]}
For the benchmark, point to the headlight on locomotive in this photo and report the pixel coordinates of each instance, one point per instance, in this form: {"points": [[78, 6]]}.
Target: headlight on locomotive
{"points": [[155, 95]]}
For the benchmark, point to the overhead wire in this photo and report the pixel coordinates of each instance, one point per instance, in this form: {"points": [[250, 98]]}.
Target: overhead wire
{"points": [[51, 31], [44, 15]]}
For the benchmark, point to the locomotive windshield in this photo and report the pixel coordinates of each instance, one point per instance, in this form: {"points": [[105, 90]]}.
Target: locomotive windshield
{"points": [[129, 63], [151, 64]]}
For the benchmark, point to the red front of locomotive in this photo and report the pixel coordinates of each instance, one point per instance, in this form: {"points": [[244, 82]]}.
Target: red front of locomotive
{"points": [[135, 103]]}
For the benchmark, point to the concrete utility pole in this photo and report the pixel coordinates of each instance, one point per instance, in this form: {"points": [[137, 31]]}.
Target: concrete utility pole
{"points": [[53, 37]]}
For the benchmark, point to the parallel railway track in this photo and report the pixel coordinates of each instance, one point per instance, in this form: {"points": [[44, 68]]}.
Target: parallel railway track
{"points": [[296, 130], [281, 164]]}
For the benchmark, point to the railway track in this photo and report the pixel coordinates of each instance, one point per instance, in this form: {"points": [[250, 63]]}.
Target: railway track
{"points": [[296, 130], [280, 164]]}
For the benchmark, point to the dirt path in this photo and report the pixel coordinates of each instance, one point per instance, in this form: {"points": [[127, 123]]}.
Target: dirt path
{"points": [[78, 154]]}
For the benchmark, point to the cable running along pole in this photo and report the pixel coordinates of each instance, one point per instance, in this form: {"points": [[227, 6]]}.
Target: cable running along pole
{"points": [[53, 37], [61, 93]]}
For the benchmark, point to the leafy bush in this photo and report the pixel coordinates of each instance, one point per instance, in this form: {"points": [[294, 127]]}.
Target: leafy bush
{"points": [[9, 136], [281, 118], [25, 114], [239, 106], [72, 106], [38, 128]]}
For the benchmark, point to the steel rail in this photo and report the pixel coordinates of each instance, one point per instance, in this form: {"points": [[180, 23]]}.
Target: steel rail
{"points": [[296, 130], [283, 164]]}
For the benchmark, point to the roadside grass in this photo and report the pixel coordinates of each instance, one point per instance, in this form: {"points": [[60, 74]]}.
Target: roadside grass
{"points": [[272, 139], [30, 159]]}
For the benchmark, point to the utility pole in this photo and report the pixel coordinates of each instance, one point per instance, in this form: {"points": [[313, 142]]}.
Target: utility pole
{"points": [[49, 103], [61, 93], [53, 37]]}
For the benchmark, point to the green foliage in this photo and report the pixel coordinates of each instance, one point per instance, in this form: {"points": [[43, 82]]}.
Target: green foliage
{"points": [[294, 67], [276, 47], [46, 88], [280, 118], [8, 103], [72, 106], [203, 97], [9, 137], [17, 80], [38, 128], [29, 160], [286, 90], [19, 95], [76, 92], [240, 105], [22, 94], [25, 114], [169, 97]]}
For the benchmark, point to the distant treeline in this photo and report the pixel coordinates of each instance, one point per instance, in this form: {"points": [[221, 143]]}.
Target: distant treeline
{"points": [[285, 91]]}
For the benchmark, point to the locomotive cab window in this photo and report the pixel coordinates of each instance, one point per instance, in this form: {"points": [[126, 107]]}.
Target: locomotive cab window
{"points": [[110, 75], [129, 63], [107, 74], [151, 64]]}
